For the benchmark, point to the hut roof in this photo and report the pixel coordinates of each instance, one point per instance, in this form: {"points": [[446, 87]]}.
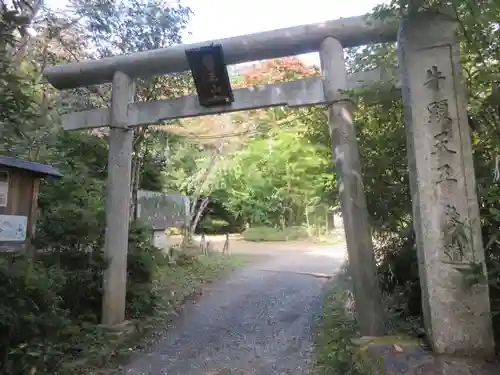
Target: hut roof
{"points": [[31, 166]]}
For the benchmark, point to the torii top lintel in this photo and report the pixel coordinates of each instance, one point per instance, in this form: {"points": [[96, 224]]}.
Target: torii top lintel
{"points": [[351, 32]]}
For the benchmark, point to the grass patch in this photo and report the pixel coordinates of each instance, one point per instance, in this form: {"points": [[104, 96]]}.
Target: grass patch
{"points": [[179, 282], [337, 326], [336, 239], [260, 234], [105, 353]]}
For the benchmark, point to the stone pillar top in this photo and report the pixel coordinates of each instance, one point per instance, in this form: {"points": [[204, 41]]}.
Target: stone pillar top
{"points": [[428, 29]]}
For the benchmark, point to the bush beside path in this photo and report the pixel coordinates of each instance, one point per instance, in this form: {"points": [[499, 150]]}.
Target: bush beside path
{"points": [[50, 306]]}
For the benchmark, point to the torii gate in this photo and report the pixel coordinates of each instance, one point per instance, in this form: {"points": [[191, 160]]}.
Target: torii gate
{"points": [[431, 83]]}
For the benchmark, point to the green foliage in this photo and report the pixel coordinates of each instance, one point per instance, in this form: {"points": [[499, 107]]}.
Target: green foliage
{"points": [[143, 263], [288, 175], [185, 259], [71, 209], [399, 275], [217, 219], [30, 314], [50, 304], [210, 225], [258, 234], [185, 161], [17, 100], [79, 286], [49, 307], [47, 303], [118, 27]]}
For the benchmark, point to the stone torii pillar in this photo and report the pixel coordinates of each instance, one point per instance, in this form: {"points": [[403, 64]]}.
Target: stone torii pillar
{"points": [[445, 208], [369, 309], [118, 201]]}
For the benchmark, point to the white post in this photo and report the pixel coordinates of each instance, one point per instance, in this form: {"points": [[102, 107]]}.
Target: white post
{"points": [[362, 265], [118, 201], [445, 208]]}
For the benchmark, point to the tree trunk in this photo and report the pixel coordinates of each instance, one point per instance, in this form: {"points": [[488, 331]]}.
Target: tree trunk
{"points": [[198, 192], [29, 11], [193, 223], [326, 221], [201, 209], [136, 173], [136, 170], [308, 222]]}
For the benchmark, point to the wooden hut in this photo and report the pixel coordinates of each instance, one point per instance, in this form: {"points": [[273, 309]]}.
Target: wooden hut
{"points": [[19, 185]]}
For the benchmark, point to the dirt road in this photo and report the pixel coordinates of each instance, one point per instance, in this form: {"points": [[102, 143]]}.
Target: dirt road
{"points": [[258, 321]]}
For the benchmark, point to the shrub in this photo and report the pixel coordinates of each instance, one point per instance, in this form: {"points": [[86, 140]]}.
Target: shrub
{"points": [[399, 277], [210, 225], [31, 314], [80, 280], [272, 234], [186, 259], [143, 262], [71, 209], [47, 303]]}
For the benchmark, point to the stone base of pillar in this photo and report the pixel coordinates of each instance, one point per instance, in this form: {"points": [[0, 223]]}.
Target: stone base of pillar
{"points": [[125, 328], [402, 355]]}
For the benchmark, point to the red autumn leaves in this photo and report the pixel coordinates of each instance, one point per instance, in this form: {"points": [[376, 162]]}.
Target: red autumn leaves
{"points": [[277, 70]]}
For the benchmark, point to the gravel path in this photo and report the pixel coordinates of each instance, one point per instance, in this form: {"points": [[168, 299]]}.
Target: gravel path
{"points": [[256, 322]]}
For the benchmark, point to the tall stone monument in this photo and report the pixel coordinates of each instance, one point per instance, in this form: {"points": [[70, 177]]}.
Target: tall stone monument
{"points": [[445, 208]]}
